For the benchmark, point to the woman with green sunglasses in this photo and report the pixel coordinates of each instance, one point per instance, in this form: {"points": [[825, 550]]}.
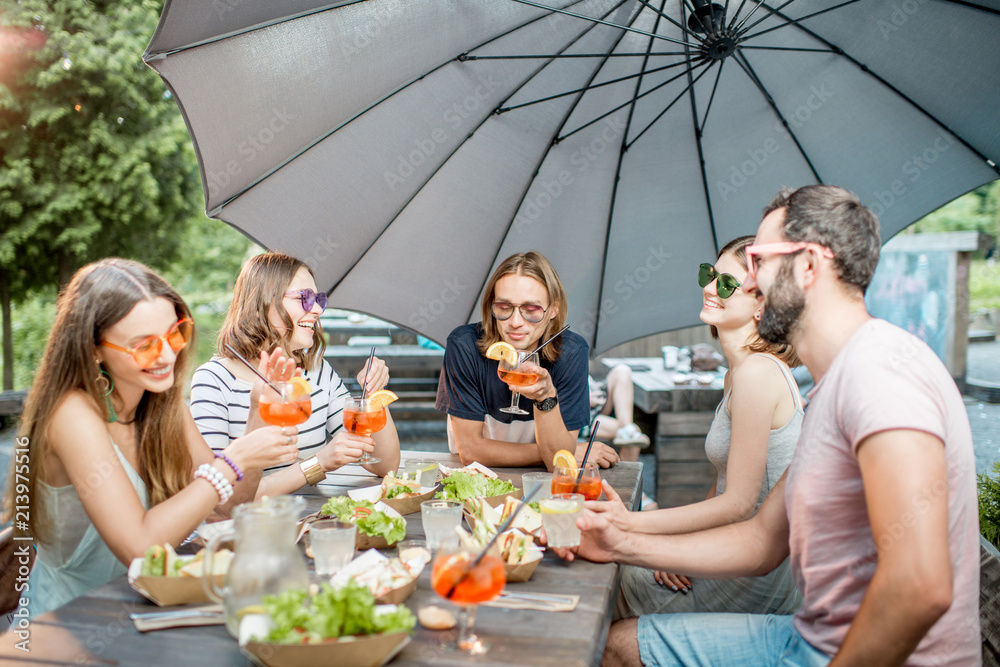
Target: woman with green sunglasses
{"points": [[750, 443]]}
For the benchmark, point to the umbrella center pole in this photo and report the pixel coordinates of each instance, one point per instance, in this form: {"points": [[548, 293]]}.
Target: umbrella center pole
{"points": [[719, 47]]}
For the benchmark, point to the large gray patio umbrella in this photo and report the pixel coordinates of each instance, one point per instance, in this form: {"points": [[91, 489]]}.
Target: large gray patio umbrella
{"points": [[404, 147]]}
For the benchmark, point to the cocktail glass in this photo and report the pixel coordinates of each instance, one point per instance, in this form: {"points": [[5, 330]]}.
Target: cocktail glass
{"points": [[564, 480], [454, 579], [516, 377], [361, 417], [422, 471], [559, 515], [284, 404]]}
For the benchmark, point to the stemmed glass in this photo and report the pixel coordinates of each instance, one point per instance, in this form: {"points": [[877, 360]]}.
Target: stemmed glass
{"points": [[285, 403], [364, 417], [453, 578], [516, 377]]}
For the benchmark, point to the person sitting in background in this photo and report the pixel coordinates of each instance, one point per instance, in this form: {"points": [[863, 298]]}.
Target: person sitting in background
{"points": [[750, 443], [117, 463], [612, 401], [524, 304], [276, 303]]}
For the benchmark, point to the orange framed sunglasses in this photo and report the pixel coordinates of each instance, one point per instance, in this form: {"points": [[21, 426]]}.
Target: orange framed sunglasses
{"points": [[148, 350]]}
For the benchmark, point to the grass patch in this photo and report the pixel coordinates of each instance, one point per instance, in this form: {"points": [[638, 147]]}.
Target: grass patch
{"points": [[984, 285]]}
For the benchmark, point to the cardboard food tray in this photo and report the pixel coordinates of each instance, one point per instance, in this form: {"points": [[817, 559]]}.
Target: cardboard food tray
{"points": [[364, 541], [398, 595], [360, 651], [522, 571], [169, 591], [404, 506]]}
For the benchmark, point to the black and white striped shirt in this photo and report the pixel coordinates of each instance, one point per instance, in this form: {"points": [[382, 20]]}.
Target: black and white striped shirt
{"points": [[220, 403]]}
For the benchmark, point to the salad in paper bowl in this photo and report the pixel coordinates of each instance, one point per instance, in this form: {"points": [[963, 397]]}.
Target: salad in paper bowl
{"points": [[528, 520], [341, 626], [474, 481], [402, 495], [378, 524]]}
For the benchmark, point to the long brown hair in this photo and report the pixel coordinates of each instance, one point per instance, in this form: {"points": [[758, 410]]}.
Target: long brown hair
{"points": [[263, 281], [533, 265], [784, 351], [98, 296]]}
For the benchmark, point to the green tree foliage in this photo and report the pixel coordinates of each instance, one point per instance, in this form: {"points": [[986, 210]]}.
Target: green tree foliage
{"points": [[978, 210], [95, 160], [989, 505]]}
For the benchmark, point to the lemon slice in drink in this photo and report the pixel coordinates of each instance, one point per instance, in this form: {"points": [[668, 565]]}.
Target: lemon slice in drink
{"points": [[503, 351], [564, 459], [557, 506], [249, 609], [381, 398], [300, 387]]}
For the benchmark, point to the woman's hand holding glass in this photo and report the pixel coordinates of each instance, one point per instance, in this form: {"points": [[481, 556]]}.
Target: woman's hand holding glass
{"points": [[612, 509], [265, 447], [344, 447], [276, 367]]}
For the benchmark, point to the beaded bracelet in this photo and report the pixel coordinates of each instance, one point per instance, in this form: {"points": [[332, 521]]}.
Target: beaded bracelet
{"points": [[215, 478], [236, 468]]}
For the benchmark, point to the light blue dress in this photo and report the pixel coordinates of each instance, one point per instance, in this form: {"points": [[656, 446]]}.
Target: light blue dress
{"points": [[77, 560]]}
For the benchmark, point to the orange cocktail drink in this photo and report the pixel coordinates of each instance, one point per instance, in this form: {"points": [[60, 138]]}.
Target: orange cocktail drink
{"points": [[454, 578], [356, 420], [564, 480], [291, 407], [516, 378]]}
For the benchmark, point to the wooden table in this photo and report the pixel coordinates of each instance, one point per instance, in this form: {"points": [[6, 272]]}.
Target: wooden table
{"points": [[95, 629], [683, 414]]}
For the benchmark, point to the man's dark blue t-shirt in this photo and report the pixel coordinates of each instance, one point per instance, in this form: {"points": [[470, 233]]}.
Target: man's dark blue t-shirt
{"points": [[469, 387]]}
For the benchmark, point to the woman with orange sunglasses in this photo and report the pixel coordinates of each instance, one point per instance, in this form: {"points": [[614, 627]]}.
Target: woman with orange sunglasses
{"points": [[114, 461]]}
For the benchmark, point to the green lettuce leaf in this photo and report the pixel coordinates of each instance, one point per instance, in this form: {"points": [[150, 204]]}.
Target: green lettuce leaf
{"points": [[333, 612], [464, 485], [393, 529]]}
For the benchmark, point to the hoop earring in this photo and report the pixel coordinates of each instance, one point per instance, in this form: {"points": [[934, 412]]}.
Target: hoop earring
{"points": [[106, 384]]}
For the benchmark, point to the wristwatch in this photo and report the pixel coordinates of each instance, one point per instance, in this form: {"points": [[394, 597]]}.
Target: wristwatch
{"points": [[313, 471], [547, 404]]}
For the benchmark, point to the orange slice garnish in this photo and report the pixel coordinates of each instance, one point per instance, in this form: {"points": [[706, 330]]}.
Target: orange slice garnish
{"points": [[381, 398], [564, 459], [503, 351], [300, 387]]}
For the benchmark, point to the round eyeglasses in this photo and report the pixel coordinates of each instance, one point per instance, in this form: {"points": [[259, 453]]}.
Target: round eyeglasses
{"points": [[530, 312]]}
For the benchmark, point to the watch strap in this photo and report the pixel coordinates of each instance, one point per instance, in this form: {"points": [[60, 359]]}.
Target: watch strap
{"points": [[312, 470], [547, 404]]}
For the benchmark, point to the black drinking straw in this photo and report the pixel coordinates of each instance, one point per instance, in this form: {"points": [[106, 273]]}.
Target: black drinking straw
{"points": [[504, 526], [552, 338], [583, 465], [364, 387]]}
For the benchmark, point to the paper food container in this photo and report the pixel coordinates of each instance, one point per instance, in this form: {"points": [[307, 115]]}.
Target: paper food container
{"points": [[169, 591], [404, 506], [364, 540], [498, 501], [523, 570], [363, 567], [359, 651]]}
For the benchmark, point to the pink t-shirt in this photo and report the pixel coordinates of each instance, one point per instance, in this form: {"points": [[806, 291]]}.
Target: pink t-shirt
{"points": [[883, 379]]}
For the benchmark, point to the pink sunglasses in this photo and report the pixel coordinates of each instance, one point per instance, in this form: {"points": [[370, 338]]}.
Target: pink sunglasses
{"points": [[784, 248]]}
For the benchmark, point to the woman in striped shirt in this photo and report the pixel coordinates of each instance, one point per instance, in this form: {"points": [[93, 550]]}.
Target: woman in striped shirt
{"points": [[275, 303]]}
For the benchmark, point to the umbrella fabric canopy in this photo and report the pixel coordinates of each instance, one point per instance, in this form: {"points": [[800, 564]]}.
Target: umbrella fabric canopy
{"points": [[403, 149]]}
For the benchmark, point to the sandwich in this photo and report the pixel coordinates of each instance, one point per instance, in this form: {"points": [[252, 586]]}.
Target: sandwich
{"points": [[394, 487], [160, 561], [528, 520], [516, 547], [195, 567]]}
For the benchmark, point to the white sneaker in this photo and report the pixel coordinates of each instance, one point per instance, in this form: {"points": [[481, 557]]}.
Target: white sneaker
{"points": [[630, 435]]}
